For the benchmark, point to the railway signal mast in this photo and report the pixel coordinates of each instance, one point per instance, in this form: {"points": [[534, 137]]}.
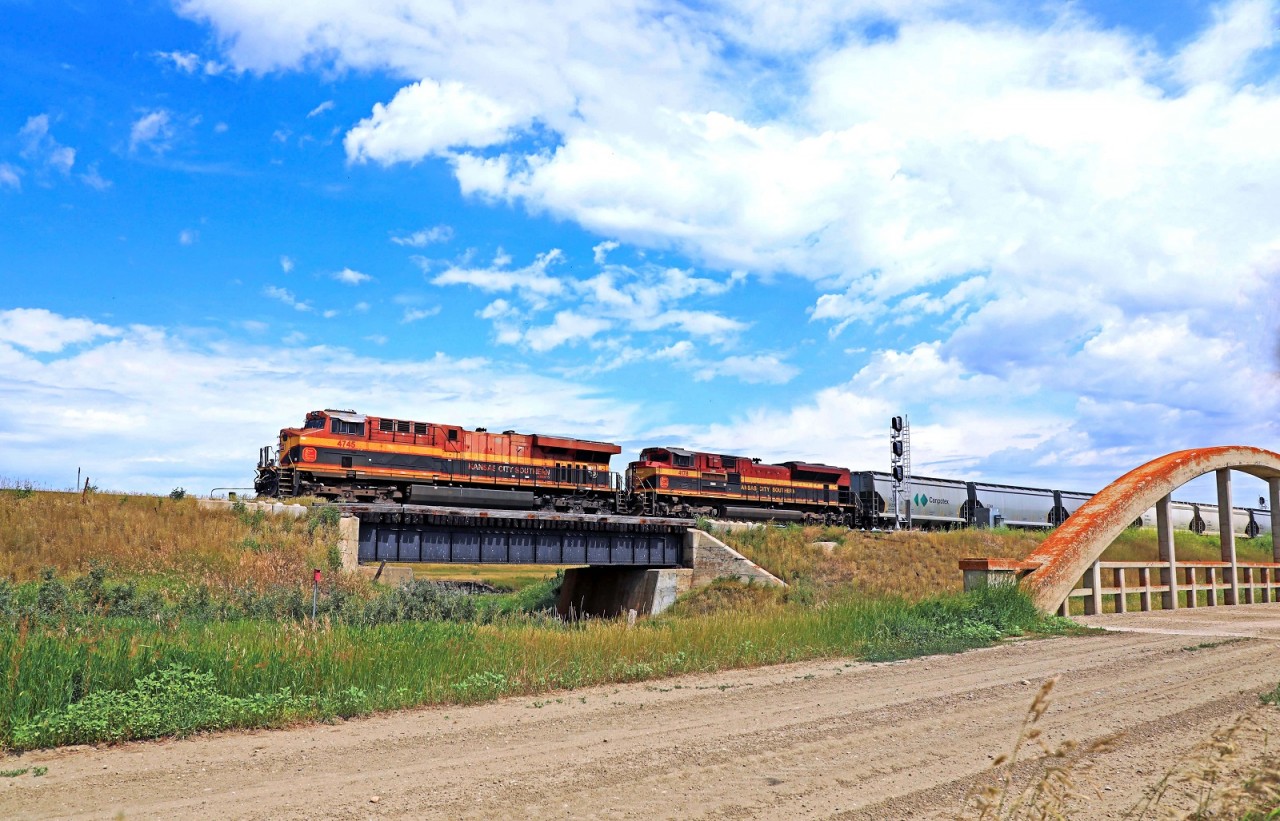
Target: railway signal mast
{"points": [[900, 466]]}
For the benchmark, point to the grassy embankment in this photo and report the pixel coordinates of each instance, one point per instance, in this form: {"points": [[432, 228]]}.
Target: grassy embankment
{"points": [[133, 617], [920, 563]]}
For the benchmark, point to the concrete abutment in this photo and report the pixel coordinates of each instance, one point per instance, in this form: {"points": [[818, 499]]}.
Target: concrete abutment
{"points": [[613, 591]]}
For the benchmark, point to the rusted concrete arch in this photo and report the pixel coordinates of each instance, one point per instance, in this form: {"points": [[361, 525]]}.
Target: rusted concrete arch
{"points": [[1063, 557]]}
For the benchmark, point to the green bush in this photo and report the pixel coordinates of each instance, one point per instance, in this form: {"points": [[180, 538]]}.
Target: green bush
{"points": [[174, 701]]}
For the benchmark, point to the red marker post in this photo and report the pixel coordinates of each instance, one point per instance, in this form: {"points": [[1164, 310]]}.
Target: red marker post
{"points": [[315, 591]]}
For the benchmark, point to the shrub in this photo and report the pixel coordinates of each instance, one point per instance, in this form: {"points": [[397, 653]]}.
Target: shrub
{"points": [[174, 701], [178, 493]]}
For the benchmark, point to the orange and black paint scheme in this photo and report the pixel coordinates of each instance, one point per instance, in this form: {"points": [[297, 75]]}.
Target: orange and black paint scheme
{"points": [[349, 456], [678, 482]]}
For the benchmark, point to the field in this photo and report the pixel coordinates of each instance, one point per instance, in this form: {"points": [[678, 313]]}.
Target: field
{"points": [[136, 616]]}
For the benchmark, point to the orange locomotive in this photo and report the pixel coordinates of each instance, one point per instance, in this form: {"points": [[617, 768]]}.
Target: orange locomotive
{"points": [[677, 482], [349, 456], [353, 457]]}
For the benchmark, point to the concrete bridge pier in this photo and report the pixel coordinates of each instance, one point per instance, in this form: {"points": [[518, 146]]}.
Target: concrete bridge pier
{"points": [[613, 591], [1227, 534]]}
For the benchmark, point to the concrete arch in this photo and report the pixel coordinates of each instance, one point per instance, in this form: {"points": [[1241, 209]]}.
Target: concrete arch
{"points": [[1063, 558]]}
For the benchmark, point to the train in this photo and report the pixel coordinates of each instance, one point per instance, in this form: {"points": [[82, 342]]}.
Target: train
{"points": [[342, 455]]}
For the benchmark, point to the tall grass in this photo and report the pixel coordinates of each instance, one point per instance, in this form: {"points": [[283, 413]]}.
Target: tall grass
{"points": [[919, 564], [914, 564], [158, 536], [201, 620], [265, 673]]}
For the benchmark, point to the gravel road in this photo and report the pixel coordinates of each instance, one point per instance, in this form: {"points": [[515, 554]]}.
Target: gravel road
{"points": [[814, 740]]}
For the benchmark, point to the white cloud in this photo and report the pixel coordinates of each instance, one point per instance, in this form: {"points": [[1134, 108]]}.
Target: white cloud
{"points": [[286, 264], [40, 148], [151, 434], [348, 276], [184, 61], [94, 179], [41, 331], [601, 252], [1031, 194], [427, 118], [567, 327], [757, 369], [153, 130], [415, 314], [532, 281], [10, 177], [1221, 53], [327, 105], [188, 236], [286, 296], [425, 236]]}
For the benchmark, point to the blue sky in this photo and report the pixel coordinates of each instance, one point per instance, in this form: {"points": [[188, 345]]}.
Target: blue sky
{"points": [[1049, 234]]}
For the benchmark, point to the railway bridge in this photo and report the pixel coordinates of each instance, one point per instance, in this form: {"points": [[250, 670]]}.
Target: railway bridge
{"points": [[1053, 572], [639, 563]]}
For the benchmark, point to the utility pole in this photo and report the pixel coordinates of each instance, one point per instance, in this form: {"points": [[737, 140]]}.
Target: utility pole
{"points": [[900, 466]]}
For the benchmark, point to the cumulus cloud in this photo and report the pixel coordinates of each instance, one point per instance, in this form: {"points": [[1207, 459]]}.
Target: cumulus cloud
{"points": [[286, 264], [99, 405], [348, 276], [1029, 196], [327, 105], [188, 236], [153, 130], [428, 118], [41, 331]]}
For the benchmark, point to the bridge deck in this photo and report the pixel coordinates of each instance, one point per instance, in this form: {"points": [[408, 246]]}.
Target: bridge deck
{"points": [[426, 533]]}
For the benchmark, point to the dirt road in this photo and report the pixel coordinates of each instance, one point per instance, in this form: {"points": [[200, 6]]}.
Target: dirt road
{"points": [[828, 739]]}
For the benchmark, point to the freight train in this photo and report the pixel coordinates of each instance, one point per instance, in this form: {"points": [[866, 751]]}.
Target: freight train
{"points": [[347, 456]]}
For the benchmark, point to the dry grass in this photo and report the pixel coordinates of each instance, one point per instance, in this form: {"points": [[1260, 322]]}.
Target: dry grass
{"points": [[156, 536], [1059, 775], [916, 564], [501, 576], [1235, 773], [919, 564]]}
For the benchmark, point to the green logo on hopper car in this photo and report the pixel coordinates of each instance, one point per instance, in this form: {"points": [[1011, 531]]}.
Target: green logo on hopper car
{"points": [[920, 500]]}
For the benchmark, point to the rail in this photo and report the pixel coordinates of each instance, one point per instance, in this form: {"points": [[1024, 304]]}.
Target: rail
{"points": [[1176, 585]]}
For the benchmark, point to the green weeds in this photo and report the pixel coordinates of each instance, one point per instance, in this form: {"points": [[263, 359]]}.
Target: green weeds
{"points": [[111, 678]]}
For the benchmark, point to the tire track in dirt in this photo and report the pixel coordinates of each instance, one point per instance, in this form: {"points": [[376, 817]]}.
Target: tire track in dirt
{"points": [[831, 738]]}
